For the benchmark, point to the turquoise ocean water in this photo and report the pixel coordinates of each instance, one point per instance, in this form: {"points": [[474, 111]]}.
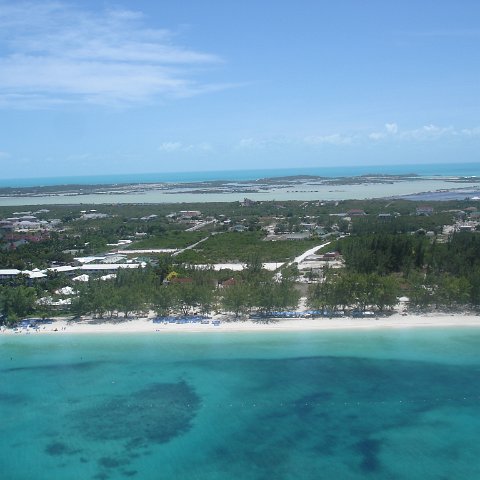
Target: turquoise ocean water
{"points": [[400, 404]]}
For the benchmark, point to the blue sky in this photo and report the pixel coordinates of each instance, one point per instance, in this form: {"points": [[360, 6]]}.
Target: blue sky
{"points": [[98, 87]]}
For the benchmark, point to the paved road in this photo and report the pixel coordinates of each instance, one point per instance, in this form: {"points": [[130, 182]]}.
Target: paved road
{"points": [[304, 255], [190, 246], [199, 226]]}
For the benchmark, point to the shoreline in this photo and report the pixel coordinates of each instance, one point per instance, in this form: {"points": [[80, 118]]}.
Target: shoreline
{"points": [[278, 190], [146, 325]]}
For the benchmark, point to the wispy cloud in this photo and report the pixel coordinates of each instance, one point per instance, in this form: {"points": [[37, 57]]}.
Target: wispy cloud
{"points": [[284, 141], [429, 132], [333, 139], [54, 53], [471, 132], [172, 147], [391, 128], [391, 132], [4, 155], [251, 143], [376, 135]]}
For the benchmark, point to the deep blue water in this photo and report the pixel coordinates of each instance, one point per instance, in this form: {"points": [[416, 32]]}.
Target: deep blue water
{"points": [[457, 169], [387, 404]]}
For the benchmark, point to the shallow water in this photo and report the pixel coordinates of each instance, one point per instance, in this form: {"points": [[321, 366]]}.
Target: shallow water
{"points": [[301, 405], [304, 192]]}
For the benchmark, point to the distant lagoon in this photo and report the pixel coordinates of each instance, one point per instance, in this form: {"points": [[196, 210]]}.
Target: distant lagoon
{"points": [[306, 190]]}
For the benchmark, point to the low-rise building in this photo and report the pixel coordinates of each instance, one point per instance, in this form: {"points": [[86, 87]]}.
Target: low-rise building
{"points": [[356, 212], [96, 268], [425, 210], [296, 236], [248, 203], [188, 214]]}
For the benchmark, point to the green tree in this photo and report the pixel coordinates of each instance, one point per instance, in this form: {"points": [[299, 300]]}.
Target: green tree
{"points": [[191, 296], [419, 290], [451, 291], [17, 302], [383, 291], [80, 302], [236, 298], [163, 300]]}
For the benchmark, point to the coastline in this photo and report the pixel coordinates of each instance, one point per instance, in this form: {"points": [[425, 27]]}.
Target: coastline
{"points": [[279, 190], [146, 325], [422, 169]]}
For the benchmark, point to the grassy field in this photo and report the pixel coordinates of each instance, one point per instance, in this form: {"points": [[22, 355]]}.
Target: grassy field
{"points": [[172, 239], [242, 247]]}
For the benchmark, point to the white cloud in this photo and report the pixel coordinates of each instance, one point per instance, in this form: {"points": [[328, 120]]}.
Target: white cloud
{"points": [[262, 143], [55, 53], [390, 133], [471, 132], [283, 141], [428, 132], [391, 128], [4, 155], [334, 139], [170, 147], [376, 136], [253, 143]]}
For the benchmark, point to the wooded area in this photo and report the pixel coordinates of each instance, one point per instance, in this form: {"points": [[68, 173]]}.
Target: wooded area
{"points": [[400, 255]]}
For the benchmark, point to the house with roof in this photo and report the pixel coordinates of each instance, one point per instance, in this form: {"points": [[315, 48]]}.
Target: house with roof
{"points": [[248, 203], [9, 273], [295, 236], [64, 269], [424, 210], [31, 275], [356, 212], [6, 225], [92, 269], [189, 214], [330, 256], [181, 280]]}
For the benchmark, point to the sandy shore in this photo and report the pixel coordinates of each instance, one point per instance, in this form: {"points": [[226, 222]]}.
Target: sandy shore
{"points": [[146, 325]]}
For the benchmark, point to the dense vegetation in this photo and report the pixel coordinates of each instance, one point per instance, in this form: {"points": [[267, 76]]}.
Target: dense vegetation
{"points": [[346, 290], [170, 239], [431, 274], [137, 291], [385, 257], [239, 247]]}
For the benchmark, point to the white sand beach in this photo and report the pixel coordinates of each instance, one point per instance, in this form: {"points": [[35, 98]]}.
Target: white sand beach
{"points": [[146, 324]]}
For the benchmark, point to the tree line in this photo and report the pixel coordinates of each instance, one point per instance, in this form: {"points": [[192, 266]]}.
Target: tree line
{"points": [[379, 268], [135, 292], [431, 273]]}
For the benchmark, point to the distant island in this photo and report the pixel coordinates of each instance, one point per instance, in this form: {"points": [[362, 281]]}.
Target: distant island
{"points": [[290, 187]]}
